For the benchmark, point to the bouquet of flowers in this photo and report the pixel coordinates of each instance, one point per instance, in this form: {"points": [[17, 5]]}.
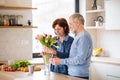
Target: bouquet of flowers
{"points": [[47, 40]]}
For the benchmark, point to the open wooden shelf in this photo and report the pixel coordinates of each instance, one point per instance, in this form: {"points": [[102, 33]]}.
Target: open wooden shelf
{"points": [[95, 11], [16, 8], [94, 27], [18, 26]]}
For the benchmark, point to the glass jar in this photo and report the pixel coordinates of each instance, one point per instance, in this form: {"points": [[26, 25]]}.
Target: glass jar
{"points": [[19, 19], [1, 20], [6, 20], [12, 20]]}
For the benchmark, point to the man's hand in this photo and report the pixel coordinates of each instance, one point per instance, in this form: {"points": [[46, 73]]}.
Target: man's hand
{"points": [[55, 61]]}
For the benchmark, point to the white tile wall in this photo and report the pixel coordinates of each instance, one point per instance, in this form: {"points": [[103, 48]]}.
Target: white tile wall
{"points": [[26, 3], [110, 41], [15, 43], [93, 34]]}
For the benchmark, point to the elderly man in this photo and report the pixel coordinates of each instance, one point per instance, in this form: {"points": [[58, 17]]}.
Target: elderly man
{"points": [[81, 49]]}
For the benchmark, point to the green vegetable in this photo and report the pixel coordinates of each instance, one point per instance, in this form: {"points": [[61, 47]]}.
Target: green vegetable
{"points": [[20, 63]]}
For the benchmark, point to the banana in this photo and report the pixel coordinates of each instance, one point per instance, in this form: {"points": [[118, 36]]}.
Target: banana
{"points": [[97, 51]]}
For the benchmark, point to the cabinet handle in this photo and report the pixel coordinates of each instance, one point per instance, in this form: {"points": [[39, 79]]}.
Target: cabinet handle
{"points": [[114, 76]]}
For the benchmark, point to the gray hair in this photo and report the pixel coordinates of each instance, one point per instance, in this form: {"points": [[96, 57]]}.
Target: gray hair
{"points": [[77, 17]]}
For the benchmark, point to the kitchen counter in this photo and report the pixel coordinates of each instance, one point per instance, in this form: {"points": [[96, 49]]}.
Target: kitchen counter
{"points": [[38, 75], [108, 60], [34, 61]]}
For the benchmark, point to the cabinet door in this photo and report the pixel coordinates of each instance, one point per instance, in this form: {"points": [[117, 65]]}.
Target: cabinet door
{"points": [[112, 14], [113, 72], [112, 78], [97, 71]]}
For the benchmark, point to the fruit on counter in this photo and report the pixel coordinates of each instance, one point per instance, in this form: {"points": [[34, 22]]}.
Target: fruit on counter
{"points": [[3, 67], [9, 69], [37, 68], [19, 65], [25, 69], [97, 51]]}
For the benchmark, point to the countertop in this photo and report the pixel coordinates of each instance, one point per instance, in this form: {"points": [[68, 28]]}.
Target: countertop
{"points": [[39, 61], [108, 60], [38, 75], [36, 61]]}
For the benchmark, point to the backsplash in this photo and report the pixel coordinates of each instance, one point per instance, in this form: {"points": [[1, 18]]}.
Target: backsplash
{"points": [[93, 34], [25, 3], [15, 43], [109, 40]]}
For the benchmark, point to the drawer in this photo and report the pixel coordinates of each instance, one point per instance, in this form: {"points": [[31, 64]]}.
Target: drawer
{"points": [[113, 70]]}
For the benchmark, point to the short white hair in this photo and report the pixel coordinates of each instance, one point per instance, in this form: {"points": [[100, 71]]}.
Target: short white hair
{"points": [[77, 17]]}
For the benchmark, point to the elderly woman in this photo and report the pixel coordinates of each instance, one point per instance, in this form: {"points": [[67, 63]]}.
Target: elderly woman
{"points": [[61, 30]]}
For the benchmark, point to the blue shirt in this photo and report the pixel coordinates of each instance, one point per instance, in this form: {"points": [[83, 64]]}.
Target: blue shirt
{"points": [[80, 55], [62, 52]]}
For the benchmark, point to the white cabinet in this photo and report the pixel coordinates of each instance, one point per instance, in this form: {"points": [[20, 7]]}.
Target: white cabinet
{"points": [[104, 71], [97, 71], [94, 18], [112, 14], [112, 78]]}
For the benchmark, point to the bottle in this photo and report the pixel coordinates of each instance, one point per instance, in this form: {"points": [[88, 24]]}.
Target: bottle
{"points": [[19, 20], [94, 4], [29, 22]]}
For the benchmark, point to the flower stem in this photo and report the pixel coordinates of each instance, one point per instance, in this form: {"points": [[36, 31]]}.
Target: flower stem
{"points": [[46, 58]]}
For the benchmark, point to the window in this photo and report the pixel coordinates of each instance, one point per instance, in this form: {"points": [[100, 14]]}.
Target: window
{"points": [[47, 12]]}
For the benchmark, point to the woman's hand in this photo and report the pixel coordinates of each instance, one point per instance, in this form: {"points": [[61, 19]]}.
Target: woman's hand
{"points": [[49, 50], [42, 54]]}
